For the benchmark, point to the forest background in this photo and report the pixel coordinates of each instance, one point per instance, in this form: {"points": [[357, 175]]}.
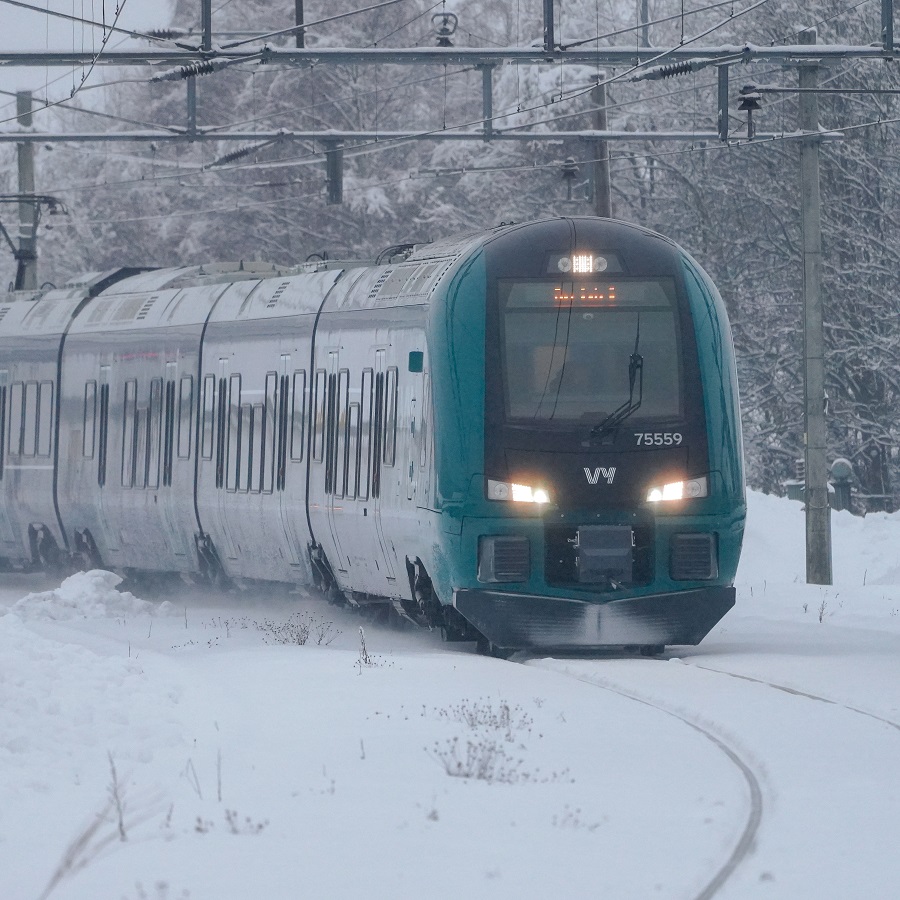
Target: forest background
{"points": [[735, 208]]}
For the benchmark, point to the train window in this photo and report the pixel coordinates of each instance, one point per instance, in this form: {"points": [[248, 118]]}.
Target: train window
{"points": [[233, 433], [390, 417], [341, 419], [351, 461], [169, 431], [222, 409], [185, 409], [423, 425], [331, 427], [377, 434], [30, 419], [568, 348], [318, 448], [251, 441], [364, 444], [16, 416], [129, 432], [283, 426], [103, 428], [3, 390], [298, 416], [89, 421], [154, 419], [267, 434], [209, 416], [45, 418]]}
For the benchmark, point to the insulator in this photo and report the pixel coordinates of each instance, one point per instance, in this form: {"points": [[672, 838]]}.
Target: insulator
{"points": [[569, 167], [164, 34], [191, 71], [235, 154], [670, 71], [200, 68]]}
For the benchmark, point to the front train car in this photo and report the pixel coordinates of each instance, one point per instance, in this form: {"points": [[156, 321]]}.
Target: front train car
{"points": [[589, 468]]}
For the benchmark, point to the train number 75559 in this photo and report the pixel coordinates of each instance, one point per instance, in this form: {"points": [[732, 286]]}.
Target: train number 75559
{"points": [[658, 438]]}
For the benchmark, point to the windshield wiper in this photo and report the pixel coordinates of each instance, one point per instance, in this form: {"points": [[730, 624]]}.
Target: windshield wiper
{"points": [[635, 375]]}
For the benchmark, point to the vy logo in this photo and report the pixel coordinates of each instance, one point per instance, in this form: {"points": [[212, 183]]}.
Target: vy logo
{"points": [[598, 473]]}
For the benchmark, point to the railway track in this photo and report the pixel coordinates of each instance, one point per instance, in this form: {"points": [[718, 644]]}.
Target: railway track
{"points": [[818, 771], [754, 807]]}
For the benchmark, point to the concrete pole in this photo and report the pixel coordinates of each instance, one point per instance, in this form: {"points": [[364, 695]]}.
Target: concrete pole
{"points": [[299, 20], [206, 25], [818, 513], [602, 197], [26, 270], [549, 27]]}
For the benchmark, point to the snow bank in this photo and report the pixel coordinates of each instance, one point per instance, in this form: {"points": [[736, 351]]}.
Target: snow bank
{"points": [[88, 595]]}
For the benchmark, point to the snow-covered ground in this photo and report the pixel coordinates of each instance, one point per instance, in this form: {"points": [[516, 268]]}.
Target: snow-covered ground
{"points": [[249, 746]]}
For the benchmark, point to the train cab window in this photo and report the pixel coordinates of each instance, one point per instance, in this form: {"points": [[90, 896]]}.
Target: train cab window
{"points": [[89, 420], [390, 417], [185, 408], [567, 348]]}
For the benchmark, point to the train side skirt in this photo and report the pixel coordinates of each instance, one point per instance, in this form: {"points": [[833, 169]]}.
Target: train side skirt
{"points": [[527, 622]]}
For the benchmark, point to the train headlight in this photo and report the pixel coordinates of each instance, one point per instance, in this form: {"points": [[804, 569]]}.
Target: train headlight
{"points": [[518, 493], [679, 490]]}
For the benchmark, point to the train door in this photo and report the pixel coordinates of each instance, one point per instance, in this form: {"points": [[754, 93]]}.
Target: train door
{"points": [[289, 454], [103, 465], [336, 437], [424, 442], [7, 535], [384, 447], [228, 437]]}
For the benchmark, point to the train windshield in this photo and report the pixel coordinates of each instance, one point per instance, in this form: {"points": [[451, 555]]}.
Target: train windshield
{"points": [[578, 351]]}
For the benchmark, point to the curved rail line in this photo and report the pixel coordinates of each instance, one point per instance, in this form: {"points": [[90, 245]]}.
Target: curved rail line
{"points": [[798, 693], [754, 816]]}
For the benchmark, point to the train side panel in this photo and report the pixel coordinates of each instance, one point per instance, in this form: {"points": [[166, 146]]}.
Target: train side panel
{"points": [[371, 493], [128, 427], [254, 428], [32, 332]]}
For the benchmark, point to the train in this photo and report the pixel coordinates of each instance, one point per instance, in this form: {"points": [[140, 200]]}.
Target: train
{"points": [[527, 436]]}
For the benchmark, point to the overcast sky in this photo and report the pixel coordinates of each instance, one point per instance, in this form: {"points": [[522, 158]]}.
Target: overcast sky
{"points": [[25, 29]]}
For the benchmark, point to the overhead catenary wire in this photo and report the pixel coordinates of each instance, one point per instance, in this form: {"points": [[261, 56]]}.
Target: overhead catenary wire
{"points": [[572, 96], [107, 29], [735, 146]]}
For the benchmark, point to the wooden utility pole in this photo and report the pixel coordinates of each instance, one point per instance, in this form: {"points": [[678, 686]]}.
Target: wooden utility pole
{"points": [[26, 256], [818, 513]]}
